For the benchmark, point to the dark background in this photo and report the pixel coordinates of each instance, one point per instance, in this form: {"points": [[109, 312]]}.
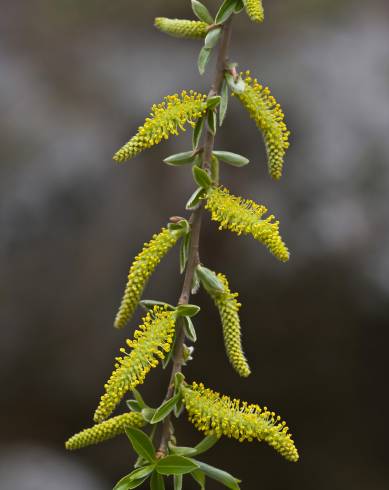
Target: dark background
{"points": [[76, 79]]}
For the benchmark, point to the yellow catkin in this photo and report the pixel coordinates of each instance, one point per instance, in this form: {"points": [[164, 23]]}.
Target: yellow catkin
{"points": [[228, 307], [254, 9], [165, 119], [152, 341], [217, 414], [269, 118], [191, 29], [104, 431], [140, 271], [244, 216]]}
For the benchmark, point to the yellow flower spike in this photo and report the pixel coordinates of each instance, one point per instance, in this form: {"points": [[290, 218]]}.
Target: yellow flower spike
{"points": [[217, 414], [269, 118], [104, 431], [243, 216], [141, 270], [190, 29], [150, 344], [228, 308], [165, 119], [254, 9]]}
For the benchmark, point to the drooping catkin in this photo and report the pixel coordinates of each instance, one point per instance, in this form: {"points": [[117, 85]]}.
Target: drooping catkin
{"points": [[190, 29], [213, 413], [104, 431], [165, 119], [244, 216], [140, 271], [254, 9], [228, 307], [152, 341], [269, 118]]}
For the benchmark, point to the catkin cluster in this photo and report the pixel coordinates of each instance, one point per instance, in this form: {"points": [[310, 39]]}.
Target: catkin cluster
{"points": [[269, 118], [244, 216], [254, 9], [165, 119], [228, 307], [217, 414], [152, 341], [104, 431], [141, 270], [190, 29]]}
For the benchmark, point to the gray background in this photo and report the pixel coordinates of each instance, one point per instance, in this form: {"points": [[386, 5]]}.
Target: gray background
{"points": [[76, 79]]}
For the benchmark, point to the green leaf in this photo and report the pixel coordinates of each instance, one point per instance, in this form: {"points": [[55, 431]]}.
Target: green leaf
{"points": [[199, 477], [157, 482], [223, 102], [182, 450], [134, 405], [175, 465], [212, 121], [212, 38], [209, 279], [148, 413], [239, 7], [177, 482], [184, 252], [231, 158], [203, 59], [195, 283], [206, 444], [139, 398], [201, 177], [202, 12], [180, 158], [219, 475], [190, 331], [237, 85], [213, 101], [141, 443], [225, 11], [163, 410], [148, 304], [195, 199], [182, 227], [127, 483], [187, 310], [178, 379], [197, 131]]}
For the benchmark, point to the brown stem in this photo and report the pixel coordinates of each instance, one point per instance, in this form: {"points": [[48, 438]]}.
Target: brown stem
{"points": [[195, 220]]}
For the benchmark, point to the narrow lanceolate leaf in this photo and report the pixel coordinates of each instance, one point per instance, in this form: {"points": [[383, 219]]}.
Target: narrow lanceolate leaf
{"points": [[184, 252], [221, 476], [128, 483], [212, 38], [212, 121], [228, 307], [182, 28], [165, 120], [195, 199], [141, 270], [152, 341], [142, 444], [233, 159], [223, 102], [239, 7], [187, 310], [104, 431], [225, 11], [209, 280], [197, 132], [177, 482], [180, 158], [164, 410], [190, 331], [205, 444], [148, 304], [244, 216], [175, 465], [202, 12], [204, 55], [269, 119], [199, 477], [201, 177], [213, 101], [254, 9], [219, 415], [157, 482]]}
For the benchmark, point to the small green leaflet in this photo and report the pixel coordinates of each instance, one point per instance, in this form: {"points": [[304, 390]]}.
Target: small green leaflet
{"points": [[157, 482], [134, 405], [187, 310], [213, 101], [231, 158], [195, 199], [135, 478], [223, 102], [162, 411], [212, 38], [237, 85], [201, 12], [212, 121], [175, 465], [177, 482], [197, 131], [199, 477], [184, 252], [201, 177], [209, 280], [190, 331], [141, 443], [225, 11], [203, 59], [219, 475], [180, 158]]}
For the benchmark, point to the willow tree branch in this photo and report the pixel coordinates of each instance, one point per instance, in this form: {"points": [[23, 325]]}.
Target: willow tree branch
{"points": [[195, 220]]}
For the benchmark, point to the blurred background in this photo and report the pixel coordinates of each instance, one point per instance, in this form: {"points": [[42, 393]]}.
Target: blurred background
{"points": [[76, 80]]}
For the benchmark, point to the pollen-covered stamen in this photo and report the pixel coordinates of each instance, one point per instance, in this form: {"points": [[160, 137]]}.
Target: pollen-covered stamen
{"points": [[141, 270], [254, 9], [190, 29], [269, 118], [104, 431], [165, 119], [151, 342], [244, 216], [213, 413]]}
